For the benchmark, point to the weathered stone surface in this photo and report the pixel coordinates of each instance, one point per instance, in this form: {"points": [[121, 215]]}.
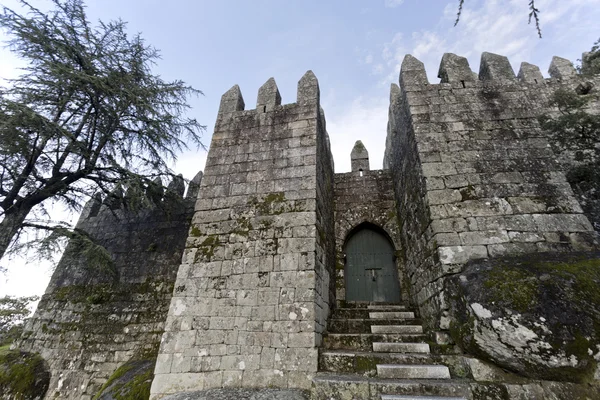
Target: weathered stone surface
{"points": [[530, 73], [268, 96], [358, 200], [95, 317], [475, 176], [561, 68], [255, 286], [359, 158], [535, 315], [241, 394], [454, 68], [495, 67]]}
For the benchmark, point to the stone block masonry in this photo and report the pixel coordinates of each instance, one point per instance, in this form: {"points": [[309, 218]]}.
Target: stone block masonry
{"points": [[474, 174], [254, 289], [93, 319], [364, 197]]}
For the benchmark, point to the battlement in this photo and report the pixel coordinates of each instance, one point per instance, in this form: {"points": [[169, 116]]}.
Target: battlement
{"points": [[136, 199], [454, 71], [269, 98]]}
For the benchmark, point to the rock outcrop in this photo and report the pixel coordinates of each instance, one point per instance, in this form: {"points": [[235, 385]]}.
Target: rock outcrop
{"points": [[537, 315]]}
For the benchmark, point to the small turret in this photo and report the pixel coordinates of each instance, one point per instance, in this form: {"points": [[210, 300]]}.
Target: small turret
{"points": [[530, 73], [495, 67], [194, 186], [454, 68], [232, 101], [91, 208], [308, 89], [359, 158], [268, 96], [412, 73], [177, 186], [561, 68]]}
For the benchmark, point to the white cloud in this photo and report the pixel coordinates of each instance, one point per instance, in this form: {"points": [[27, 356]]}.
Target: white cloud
{"points": [[393, 3], [365, 120], [501, 27]]}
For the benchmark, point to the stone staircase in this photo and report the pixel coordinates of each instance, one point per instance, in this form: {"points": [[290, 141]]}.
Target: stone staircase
{"points": [[379, 351]]}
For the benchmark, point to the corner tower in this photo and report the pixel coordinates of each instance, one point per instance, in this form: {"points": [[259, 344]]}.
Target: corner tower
{"points": [[253, 291]]}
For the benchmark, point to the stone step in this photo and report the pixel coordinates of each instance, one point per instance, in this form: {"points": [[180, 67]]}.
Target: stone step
{"points": [[364, 341], [392, 347], [363, 325], [351, 313], [328, 385], [391, 314], [390, 307], [365, 363], [367, 304], [396, 371], [409, 329], [415, 397]]}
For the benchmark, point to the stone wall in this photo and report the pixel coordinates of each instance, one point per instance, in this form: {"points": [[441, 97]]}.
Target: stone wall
{"points": [[251, 297], [474, 174], [93, 319], [360, 199]]}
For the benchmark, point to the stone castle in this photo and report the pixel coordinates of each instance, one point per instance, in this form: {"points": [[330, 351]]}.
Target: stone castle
{"points": [[275, 272]]}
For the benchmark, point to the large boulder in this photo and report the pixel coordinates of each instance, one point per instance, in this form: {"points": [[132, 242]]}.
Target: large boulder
{"points": [[23, 375], [537, 315], [131, 381]]}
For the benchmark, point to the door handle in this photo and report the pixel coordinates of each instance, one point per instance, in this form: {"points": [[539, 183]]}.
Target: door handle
{"points": [[373, 276]]}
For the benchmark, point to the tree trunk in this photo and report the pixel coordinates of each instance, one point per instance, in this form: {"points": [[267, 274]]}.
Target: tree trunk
{"points": [[10, 225]]}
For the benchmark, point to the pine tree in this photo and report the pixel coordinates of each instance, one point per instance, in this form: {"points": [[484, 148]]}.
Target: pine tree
{"points": [[86, 114]]}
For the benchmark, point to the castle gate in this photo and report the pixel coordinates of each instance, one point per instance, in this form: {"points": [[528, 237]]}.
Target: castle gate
{"points": [[370, 268]]}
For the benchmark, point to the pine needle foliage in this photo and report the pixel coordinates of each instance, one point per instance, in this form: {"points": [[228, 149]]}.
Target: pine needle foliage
{"points": [[534, 15], [86, 113]]}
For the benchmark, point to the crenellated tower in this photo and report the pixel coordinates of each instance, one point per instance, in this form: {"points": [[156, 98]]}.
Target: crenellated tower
{"points": [[475, 175], [255, 286], [104, 310]]}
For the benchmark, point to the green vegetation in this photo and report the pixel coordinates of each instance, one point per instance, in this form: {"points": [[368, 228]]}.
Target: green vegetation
{"points": [[131, 381], [206, 249], [270, 204], [13, 310], [195, 231], [541, 288], [86, 112], [22, 375], [515, 288]]}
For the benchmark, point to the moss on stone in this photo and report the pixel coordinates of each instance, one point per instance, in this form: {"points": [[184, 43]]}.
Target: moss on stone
{"points": [[119, 372], [195, 231], [23, 375], [207, 248], [365, 364], [552, 294], [513, 287], [131, 381], [270, 204]]}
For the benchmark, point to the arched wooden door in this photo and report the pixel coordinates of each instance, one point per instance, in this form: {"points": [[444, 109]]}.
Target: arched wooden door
{"points": [[370, 270]]}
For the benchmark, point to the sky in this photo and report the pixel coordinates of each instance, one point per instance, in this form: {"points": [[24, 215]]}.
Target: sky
{"points": [[355, 48]]}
